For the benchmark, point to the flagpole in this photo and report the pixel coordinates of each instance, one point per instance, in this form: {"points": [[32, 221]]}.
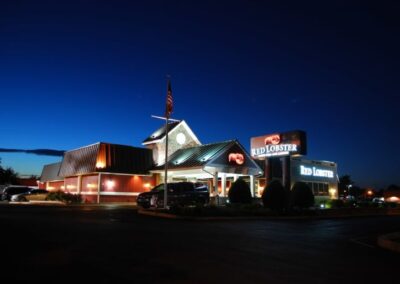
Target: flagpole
{"points": [[168, 111], [166, 165]]}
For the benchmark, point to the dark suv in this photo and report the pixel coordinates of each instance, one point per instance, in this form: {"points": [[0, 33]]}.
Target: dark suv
{"points": [[12, 190], [179, 194]]}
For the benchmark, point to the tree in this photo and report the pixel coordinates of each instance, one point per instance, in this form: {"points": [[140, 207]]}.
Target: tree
{"points": [[393, 187], [356, 191], [8, 175], [301, 196], [274, 196], [345, 183], [239, 192]]}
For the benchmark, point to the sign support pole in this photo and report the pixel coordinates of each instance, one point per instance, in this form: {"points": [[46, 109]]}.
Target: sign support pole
{"points": [[166, 165]]}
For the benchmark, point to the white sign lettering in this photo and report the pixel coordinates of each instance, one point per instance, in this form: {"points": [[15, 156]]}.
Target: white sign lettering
{"points": [[306, 171], [274, 150]]}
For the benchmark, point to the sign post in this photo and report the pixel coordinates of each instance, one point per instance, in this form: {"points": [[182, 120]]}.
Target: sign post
{"points": [[166, 165]]}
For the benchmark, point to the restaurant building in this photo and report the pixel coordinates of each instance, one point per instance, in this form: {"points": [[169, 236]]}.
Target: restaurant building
{"points": [[105, 172]]}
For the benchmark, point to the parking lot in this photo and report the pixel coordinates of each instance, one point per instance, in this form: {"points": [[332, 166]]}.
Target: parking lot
{"points": [[111, 244]]}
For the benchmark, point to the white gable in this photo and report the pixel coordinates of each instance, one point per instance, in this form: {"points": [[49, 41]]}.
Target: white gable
{"points": [[180, 137]]}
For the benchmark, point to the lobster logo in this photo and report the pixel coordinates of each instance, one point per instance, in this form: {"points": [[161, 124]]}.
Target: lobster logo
{"points": [[237, 158], [272, 139]]}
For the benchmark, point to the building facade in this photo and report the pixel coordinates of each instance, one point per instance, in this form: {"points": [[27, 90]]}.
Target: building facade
{"points": [[105, 172]]}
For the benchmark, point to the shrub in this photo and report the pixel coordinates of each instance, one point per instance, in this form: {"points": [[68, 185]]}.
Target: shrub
{"points": [[240, 192], [301, 196], [64, 197], [274, 196], [330, 203], [391, 205]]}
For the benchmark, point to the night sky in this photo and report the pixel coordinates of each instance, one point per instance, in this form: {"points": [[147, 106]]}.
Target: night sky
{"points": [[73, 73]]}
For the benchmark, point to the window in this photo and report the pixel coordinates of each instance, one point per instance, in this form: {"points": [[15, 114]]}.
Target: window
{"points": [[319, 188]]}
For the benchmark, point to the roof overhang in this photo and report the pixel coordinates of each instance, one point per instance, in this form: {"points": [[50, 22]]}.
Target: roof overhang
{"points": [[247, 171]]}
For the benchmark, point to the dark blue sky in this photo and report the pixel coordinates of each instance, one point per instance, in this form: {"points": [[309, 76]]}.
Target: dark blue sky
{"points": [[74, 73]]}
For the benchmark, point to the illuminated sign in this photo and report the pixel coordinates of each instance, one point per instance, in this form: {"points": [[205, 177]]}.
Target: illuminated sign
{"points": [[315, 172], [237, 158], [279, 144], [274, 139]]}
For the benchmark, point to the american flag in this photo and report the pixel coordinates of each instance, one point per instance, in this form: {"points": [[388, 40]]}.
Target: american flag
{"points": [[170, 104]]}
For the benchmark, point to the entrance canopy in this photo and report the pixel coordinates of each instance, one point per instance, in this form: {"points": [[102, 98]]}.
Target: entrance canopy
{"points": [[223, 157]]}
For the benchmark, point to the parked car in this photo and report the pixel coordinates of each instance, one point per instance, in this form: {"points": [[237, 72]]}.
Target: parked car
{"points": [[12, 190], [179, 194], [378, 200], [32, 195]]}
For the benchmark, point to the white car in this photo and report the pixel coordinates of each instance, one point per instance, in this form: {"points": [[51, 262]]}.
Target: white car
{"points": [[378, 200]]}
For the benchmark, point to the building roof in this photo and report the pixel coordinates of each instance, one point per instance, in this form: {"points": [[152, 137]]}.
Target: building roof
{"points": [[50, 172], [215, 157], [195, 156], [160, 133], [106, 157]]}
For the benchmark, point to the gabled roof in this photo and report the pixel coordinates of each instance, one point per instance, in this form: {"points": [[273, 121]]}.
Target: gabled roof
{"points": [[160, 133], [195, 156], [80, 161], [106, 157], [50, 172], [226, 157]]}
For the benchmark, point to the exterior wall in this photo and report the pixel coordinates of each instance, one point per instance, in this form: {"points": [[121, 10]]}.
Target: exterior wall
{"points": [[27, 181], [323, 186], [228, 184], [260, 186], [124, 183], [110, 199], [114, 188], [71, 184], [89, 198], [173, 145], [54, 185], [89, 183]]}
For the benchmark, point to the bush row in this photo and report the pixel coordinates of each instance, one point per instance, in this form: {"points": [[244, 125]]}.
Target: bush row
{"points": [[66, 197], [274, 196]]}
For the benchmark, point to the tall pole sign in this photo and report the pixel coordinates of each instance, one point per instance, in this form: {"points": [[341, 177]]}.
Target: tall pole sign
{"points": [[276, 149]]}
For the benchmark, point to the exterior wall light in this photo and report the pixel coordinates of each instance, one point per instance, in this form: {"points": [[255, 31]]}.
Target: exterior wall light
{"points": [[110, 184], [100, 165], [393, 199]]}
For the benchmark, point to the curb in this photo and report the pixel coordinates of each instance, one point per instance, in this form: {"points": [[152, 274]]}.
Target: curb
{"points": [[159, 214], [38, 203], [390, 242], [165, 215]]}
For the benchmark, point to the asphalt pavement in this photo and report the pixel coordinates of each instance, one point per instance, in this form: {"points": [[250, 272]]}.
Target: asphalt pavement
{"points": [[113, 244]]}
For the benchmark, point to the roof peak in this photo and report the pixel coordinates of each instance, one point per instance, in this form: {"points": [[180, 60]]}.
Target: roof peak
{"points": [[161, 132]]}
